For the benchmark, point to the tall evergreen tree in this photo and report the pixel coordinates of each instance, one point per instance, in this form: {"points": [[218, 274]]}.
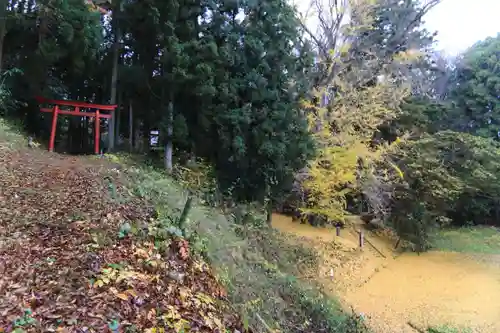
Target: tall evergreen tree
{"points": [[476, 86], [261, 135]]}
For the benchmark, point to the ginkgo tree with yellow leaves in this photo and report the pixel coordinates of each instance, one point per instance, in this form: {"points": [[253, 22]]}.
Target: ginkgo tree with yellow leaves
{"points": [[368, 63], [346, 153]]}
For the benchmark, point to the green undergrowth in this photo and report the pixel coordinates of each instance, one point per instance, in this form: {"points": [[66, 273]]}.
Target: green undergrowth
{"points": [[11, 136], [256, 264], [448, 329], [484, 240]]}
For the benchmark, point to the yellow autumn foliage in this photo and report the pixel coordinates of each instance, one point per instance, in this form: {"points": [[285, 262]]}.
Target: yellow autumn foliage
{"points": [[365, 89], [343, 132]]}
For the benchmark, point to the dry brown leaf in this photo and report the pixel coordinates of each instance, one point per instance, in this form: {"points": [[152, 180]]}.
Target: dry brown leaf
{"points": [[67, 215], [131, 292], [122, 296]]}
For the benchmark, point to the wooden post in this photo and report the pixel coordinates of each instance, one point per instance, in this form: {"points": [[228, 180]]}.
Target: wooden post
{"points": [[97, 132], [361, 239], [53, 128], [397, 243]]}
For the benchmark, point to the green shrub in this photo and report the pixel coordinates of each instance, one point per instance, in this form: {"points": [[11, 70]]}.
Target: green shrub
{"points": [[450, 177], [253, 261]]}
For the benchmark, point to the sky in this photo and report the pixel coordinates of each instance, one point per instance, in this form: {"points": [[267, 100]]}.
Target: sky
{"points": [[461, 23]]}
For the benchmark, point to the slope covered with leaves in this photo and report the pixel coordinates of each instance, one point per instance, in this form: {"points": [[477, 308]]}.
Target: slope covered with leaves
{"points": [[78, 253]]}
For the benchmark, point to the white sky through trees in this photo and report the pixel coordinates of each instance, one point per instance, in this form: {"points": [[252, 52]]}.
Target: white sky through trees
{"points": [[459, 23]]}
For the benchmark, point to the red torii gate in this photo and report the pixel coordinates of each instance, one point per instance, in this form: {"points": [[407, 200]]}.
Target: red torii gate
{"points": [[55, 110]]}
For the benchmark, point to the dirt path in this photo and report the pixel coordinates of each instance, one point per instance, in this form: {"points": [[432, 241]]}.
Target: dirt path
{"points": [[67, 263], [434, 288], [431, 289]]}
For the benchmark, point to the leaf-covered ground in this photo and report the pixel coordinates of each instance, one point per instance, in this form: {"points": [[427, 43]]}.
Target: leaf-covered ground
{"points": [[65, 267]]}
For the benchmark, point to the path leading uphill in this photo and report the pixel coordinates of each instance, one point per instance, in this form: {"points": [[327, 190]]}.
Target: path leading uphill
{"points": [[64, 267]]}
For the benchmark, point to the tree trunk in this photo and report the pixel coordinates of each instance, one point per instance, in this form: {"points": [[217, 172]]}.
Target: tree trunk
{"points": [[170, 131], [3, 27], [269, 213], [497, 211], [118, 125], [130, 126], [118, 119], [138, 138], [269, 206], [114, 75]]}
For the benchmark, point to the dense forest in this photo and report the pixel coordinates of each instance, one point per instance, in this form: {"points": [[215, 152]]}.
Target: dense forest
{"points": [[356, 113]]}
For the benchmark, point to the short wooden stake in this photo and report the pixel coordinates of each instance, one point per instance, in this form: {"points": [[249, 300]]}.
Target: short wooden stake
{"points": [[361, 239]]}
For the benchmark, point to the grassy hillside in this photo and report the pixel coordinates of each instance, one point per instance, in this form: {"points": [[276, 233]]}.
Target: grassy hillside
{"points": [[97, 243], [255, 262], [484, 240], [70, 263]]}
